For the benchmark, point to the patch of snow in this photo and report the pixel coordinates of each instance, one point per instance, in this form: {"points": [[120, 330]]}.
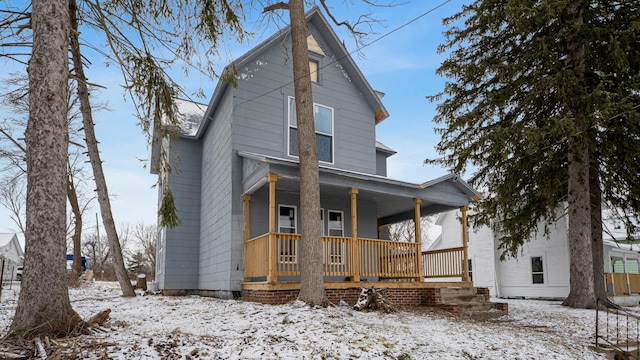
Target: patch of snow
{"points": [[190, 116], [154, 327]]}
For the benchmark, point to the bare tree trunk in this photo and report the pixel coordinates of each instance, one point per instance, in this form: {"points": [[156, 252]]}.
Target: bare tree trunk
{"points": [[94, 158], [311, 271], [76, 268], [43, 305], [582, 293]]}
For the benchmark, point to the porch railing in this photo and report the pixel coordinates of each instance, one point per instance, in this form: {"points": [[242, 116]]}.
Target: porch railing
{"points": [[388, 259], [623, 283], [277, 254], [443, 263]]}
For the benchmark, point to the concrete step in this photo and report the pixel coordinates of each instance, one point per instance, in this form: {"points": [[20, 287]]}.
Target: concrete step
{"points": [[462, 295], [480, 306], [459, 299], [459, 291]]}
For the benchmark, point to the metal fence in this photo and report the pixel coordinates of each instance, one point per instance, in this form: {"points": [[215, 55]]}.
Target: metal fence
{"points": [[618, 329]]}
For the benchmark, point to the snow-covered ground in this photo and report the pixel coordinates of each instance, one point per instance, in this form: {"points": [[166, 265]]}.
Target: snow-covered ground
{"points": [[192, 327]]}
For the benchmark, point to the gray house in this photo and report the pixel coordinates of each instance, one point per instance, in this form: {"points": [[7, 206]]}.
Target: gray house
{"points": [[237, 188]]}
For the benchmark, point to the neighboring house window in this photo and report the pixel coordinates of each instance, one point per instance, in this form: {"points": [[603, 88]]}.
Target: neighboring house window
{"points": [[336, 228], [322, 221], [537, 270], [323, 116], [470, 263], [313, 70], [617, 264], [287, 224], [632, 266]]}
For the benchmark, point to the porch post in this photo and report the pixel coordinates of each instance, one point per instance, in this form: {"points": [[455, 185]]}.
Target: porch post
{"points": [[271, 276], [246, 198], [355, 256], [465, 245], [418, 238], [626, 273]]}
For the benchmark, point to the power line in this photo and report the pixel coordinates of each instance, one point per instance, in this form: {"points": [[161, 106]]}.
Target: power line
{"points": [[358, 49]]}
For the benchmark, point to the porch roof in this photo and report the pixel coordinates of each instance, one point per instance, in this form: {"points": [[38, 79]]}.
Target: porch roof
{"points": [[394, 197]]}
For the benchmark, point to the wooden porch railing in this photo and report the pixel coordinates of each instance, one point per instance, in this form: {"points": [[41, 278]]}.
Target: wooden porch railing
{"points": [[381, 258], [443, 263], [623, 283], [388, 259]]}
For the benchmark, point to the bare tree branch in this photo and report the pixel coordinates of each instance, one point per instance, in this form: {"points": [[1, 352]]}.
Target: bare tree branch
{"points": [[277, 6]]}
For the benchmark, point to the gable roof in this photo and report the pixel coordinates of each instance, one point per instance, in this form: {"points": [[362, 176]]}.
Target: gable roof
{"points": [[5, 238], [315, 17], [10, 247]]}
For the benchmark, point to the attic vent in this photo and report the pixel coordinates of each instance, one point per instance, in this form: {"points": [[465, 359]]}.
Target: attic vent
{"points": [[313, 45]]}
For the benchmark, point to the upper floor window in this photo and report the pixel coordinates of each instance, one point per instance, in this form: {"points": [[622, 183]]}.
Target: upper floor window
{"points": [[313, 70], [323, 116]]}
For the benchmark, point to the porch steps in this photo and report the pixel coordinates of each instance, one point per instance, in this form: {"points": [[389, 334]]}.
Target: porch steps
{"points": [[469, 303]]}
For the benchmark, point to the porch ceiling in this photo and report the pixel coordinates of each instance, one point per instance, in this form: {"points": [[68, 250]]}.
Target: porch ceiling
{"points": [[394, 197]]}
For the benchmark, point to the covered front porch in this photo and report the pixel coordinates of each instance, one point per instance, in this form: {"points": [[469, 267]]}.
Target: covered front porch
{"points": [[352, 261], [622, 272]]}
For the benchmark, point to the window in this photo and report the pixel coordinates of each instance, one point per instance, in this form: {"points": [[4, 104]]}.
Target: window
{"points": [[537, 270], [287, 219], [323, 117], [470, 264], [617, 264], [287, 225], [336, 228], [322, 221], [336, 225], [313, 70]]}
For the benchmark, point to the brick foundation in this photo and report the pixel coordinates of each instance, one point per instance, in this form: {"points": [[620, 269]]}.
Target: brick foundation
{"points": [[398, 297]]}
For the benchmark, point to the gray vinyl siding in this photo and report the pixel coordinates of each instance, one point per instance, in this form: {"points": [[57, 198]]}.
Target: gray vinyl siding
{"points": [[182, 242], [261, 112], [254, 117], [216, 187], [236, 265], [381, 163], [259, 212]]}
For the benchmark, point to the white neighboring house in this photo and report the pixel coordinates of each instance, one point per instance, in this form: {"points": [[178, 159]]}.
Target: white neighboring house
{"points": [[541, 269], [13, 254]]}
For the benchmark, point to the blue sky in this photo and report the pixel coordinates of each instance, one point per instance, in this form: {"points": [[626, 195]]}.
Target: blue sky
{"points": [[401, 65]]}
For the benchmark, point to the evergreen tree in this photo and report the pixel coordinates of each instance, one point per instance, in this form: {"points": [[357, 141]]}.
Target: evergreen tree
{"points": [[543, 98]]}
